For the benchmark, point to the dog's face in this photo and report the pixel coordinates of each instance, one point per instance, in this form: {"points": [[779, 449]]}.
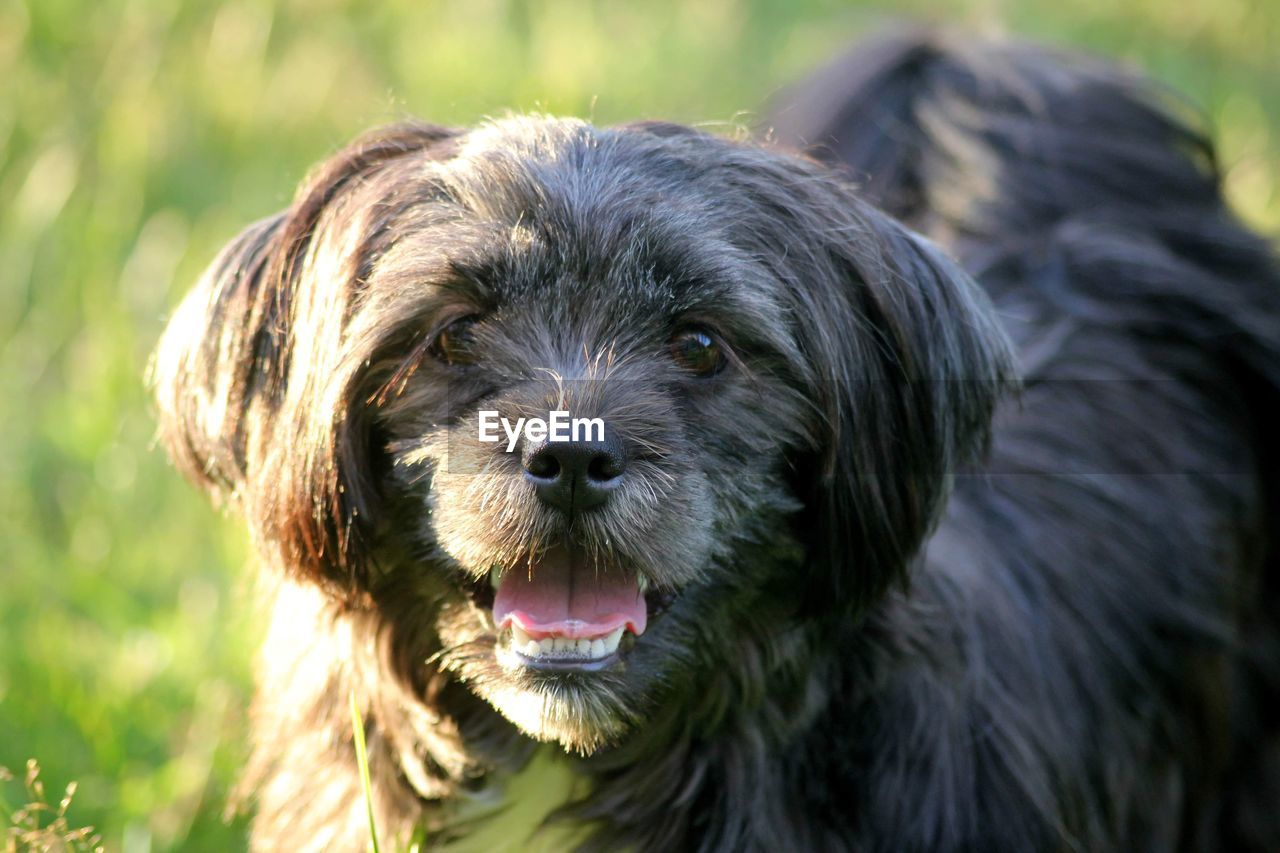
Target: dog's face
{"points": [[778, 382]]}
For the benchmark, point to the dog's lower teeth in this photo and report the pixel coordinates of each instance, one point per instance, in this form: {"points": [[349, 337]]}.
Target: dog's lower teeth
{"points": [[567, 648]]}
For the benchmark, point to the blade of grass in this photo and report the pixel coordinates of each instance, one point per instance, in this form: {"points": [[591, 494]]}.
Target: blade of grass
{"points": [[362, 759]]}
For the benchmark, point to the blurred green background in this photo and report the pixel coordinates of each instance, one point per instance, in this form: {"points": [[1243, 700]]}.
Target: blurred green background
{"points": [[137, 137]]}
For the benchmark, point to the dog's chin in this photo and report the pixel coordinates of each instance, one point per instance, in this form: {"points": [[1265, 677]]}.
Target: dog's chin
{"points": [[582, 708], [574, 711]]}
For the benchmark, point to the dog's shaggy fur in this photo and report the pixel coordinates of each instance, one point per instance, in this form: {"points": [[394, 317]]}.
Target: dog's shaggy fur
{"points": [[866, 633]]}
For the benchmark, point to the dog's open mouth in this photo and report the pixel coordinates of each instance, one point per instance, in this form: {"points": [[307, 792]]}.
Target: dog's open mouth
{"points": [[563, 611]]}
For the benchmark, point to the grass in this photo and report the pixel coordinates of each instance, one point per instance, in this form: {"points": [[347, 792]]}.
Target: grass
{"points": [[362, 759], [39, 825], [137, 136]]}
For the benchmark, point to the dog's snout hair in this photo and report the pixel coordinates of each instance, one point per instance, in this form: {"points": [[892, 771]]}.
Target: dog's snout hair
{"points": [[629, 487]]}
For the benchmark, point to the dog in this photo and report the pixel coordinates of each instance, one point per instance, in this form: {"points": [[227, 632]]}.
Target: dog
{"points": [[931, 507]]}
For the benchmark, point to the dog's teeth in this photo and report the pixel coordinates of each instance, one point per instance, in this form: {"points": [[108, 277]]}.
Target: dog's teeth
{"points": [[586, 648], [643, 583], [519, 638], [610, 641], [495, 580]]}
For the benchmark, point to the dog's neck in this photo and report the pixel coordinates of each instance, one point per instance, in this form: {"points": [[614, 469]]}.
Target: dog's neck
{"points": [[625, 795]]}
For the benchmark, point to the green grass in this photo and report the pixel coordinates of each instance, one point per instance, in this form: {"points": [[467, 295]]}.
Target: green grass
{"points": [[362, 759], [136, 136]]}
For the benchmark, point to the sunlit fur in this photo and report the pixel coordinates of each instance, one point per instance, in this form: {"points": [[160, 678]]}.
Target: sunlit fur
{"points": [[864, 636]]}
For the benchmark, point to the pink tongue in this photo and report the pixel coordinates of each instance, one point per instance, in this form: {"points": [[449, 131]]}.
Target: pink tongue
{"points": [[566, 596]]}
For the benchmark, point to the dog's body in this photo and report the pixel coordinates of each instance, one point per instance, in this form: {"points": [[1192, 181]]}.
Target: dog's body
{"points": [[858, 637]]}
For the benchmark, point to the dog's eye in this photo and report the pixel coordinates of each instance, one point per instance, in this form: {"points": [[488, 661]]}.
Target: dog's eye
{"points": [[455, 343], [698, 352]]}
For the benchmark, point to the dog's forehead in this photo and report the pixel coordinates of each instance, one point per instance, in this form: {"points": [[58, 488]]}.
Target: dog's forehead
{"points": [[570, 210], [593, 232]]}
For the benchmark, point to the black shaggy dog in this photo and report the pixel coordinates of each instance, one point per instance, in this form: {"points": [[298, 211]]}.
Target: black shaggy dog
{"points": [[823, 580]]}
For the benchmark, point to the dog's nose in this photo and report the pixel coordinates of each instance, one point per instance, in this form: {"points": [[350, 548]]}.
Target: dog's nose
{"points": [[575, 476]]}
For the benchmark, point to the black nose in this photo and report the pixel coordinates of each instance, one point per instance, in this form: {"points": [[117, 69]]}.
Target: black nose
{"points": [[574, 476]]}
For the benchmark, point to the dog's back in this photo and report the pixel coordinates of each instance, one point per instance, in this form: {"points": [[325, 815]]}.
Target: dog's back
{"points": [[1111, 565]]}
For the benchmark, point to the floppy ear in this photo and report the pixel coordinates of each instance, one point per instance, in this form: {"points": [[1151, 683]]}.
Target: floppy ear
{"points": [[918, 364], [256, 394], [904, 361]]}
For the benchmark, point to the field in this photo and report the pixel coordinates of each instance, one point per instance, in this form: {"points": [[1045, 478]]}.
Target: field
{"points": [[137, 136]]}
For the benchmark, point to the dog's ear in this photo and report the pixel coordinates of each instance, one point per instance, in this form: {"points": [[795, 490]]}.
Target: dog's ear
{"points": [[904, 360], [915, 361], [255, 393]]}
